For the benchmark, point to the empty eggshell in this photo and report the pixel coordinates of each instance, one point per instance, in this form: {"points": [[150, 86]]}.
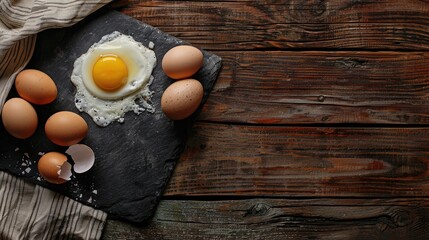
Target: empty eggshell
{"points": [[65, 171], [182, 62], [51, 168], [36, 87], [19, 118], [83, 157], [66, 128], [182, 98]]}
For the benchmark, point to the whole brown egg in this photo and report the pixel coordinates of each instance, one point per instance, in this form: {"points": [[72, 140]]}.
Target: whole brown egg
{"points": [[182, 98], [36, 87], [66, 128], [182, 62], [19, 118]]}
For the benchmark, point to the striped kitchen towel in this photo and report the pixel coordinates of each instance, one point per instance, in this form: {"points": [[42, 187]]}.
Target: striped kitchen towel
{"points": [[28, 211]]}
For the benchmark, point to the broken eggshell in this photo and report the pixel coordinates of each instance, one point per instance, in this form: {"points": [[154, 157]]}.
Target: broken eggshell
{"points": [[83, 157], [65, 171], [54, 168]]}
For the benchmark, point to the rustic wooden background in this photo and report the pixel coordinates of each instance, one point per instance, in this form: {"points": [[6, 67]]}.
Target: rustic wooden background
{"points": [[317, 128]]}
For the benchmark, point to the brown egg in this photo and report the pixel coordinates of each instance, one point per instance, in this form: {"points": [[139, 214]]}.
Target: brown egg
{"points": [[182, 98], [182, 62], [36, 87], [66, 128], [19, 118], [49, 165]]}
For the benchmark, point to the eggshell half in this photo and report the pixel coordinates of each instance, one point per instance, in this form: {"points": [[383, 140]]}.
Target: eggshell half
{"points": [[83, 157]]}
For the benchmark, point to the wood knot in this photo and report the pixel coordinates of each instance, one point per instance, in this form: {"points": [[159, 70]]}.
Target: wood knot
{"points": [[318, 8], [325, 118], [401, 217], [394, 219], [351, 63], [321, 98], [259, 209]]}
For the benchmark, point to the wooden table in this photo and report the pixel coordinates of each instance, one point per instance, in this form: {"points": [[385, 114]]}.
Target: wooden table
{"points": [[317, 127]]}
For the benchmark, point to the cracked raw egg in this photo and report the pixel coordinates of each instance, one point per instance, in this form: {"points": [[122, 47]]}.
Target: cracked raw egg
{"points": [[112, 78]]}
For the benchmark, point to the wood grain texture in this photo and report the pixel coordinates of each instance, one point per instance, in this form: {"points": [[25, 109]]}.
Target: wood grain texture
{"points": [[360, 64], [315, 24], [237, 160], [321, 87], [282, 219]]}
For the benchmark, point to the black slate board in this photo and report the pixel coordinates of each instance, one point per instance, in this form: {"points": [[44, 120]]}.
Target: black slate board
{"points": [[134, 160]]}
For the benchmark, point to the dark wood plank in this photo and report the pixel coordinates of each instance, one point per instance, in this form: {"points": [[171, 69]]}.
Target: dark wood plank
{"points": [[277, 88], [341, 24], [321, 87], [237, 160], [332, 219]]}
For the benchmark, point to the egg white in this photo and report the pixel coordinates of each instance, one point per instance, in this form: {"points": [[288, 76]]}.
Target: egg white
{"points": [[104, 106]]}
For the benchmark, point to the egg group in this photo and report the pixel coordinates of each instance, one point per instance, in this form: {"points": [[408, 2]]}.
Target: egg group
{"points": [[63, 128], [18, 115], [183, 97]]}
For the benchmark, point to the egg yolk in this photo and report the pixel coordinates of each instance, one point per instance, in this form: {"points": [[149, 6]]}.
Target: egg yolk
{"points": [[110, 73]]}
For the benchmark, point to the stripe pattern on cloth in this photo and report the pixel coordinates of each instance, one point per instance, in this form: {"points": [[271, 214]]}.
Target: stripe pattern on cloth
{"points": [[29, 211]]}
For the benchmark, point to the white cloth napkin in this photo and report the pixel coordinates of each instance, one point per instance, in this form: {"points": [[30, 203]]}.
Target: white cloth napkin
{"points": [[28, 211]]}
